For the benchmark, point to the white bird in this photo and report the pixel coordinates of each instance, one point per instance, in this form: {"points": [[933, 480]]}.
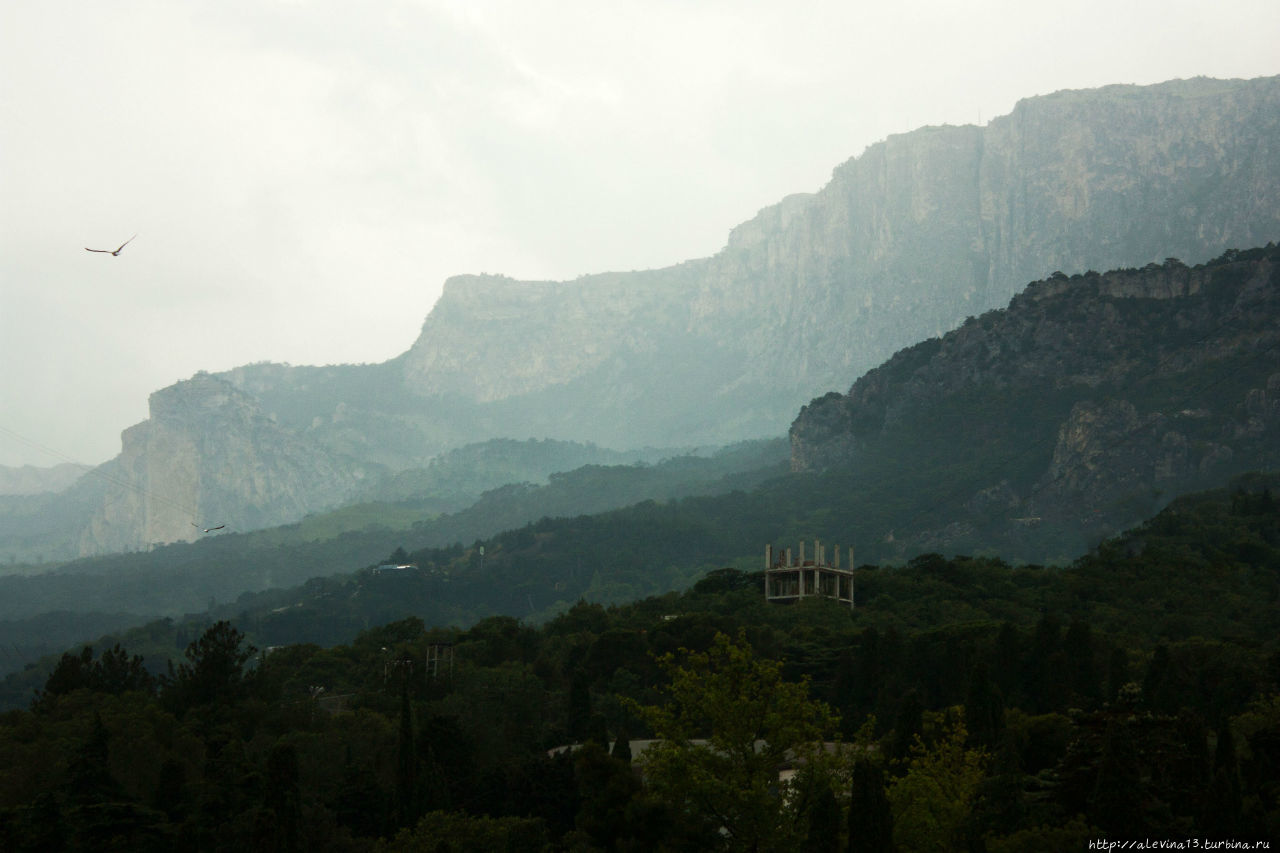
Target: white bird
{"points": [[113, 254]]}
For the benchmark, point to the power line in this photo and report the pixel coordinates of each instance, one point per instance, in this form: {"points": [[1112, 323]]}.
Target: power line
{"points": [[97, 471]]}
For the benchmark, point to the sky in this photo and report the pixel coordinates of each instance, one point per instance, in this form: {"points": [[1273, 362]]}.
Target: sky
{"points": [[302, 177]]}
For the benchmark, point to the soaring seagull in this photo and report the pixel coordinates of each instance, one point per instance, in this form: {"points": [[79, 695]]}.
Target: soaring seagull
{"points": [[108, 251], [193, 524]]}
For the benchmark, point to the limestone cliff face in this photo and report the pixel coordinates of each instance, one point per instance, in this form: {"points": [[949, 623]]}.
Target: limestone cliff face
{"points": [[209, 456], [906, 240]]}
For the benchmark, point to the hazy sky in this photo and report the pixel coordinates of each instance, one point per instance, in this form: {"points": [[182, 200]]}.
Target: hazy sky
{"points": [[303, 176]]}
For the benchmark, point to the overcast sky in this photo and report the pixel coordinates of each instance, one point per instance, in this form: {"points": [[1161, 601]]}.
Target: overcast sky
{"points": [[303, 176]]}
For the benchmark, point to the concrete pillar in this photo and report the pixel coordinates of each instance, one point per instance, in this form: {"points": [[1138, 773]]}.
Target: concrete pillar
{"points": [[768, 556]]}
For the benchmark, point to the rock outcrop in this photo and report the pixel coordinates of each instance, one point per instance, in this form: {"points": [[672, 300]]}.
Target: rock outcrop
{"points": [[208, 456], [1090, 401], [905, 241]]}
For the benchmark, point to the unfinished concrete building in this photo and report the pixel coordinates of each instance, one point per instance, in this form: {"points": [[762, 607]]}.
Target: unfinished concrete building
{"points": [[788, 578]]}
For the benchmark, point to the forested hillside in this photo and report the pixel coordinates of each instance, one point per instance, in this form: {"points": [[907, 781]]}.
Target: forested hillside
{"points": [[1130, 695], [46, 612]]}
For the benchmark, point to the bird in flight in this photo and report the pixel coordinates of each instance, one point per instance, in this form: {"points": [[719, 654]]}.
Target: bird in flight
{"points": [[108, 251], [198, 527]]}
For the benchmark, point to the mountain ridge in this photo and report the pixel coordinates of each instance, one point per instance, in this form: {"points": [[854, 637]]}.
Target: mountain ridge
{"points": [[905, 241]]}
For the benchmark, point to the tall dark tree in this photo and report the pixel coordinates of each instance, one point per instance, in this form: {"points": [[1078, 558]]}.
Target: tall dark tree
{"points": [[823, 815], [1082, 673], [282, 797], [1116, 802], [870, 818], [89, 778], [214, 670], [622, 745], [605, 786], [73, 672], [116, 672], [1223, 800], [1157, 686], [1006, 659], [1044, 665], [907, 724], [406, 764], [983, 709], [579, 707], [171, 789], [1117, 672]]}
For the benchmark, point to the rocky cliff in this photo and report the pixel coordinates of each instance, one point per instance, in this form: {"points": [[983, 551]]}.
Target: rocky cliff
{"points": [[907, 239], [1090, 401], [208, 456]]}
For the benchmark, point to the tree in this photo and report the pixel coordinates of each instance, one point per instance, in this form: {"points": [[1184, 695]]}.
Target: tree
{"points": [[1116, 801], [984, 709], [870, 819], [908, 726], [932, 802], [605, 786], [214, 671], [282, 797], [729, 725], [406, 764], [115, 672], [822, 816]]}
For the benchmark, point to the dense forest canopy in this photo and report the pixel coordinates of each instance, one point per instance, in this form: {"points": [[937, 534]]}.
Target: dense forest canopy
{"points": [[962, 702]]}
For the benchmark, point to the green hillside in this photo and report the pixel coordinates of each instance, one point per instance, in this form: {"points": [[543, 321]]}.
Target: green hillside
{"points": [[1020, 708]]}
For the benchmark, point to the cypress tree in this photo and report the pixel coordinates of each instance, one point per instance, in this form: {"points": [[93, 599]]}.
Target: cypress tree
{"points": [[983, 709], [406, 764], [870, 820], [282, 796], [908, 723], [1116, 803], [622, 746], [823, 834], [1223, 802]]}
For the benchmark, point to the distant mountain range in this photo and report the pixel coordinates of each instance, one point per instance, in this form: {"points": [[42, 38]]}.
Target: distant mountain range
{"points": [[907, 240], [1030, 433], [33, 480]]}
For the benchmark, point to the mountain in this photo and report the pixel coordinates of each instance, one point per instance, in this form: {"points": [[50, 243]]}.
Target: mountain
{"points": [[905, 241], [1085, 406], [50, 609], [30, 480]]}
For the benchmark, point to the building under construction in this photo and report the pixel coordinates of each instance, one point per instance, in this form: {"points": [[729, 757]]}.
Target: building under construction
{"points": [[790, 578]]}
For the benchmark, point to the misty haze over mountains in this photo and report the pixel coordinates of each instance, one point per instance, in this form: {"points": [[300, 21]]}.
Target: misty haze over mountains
{"points": [[905, 242]]}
